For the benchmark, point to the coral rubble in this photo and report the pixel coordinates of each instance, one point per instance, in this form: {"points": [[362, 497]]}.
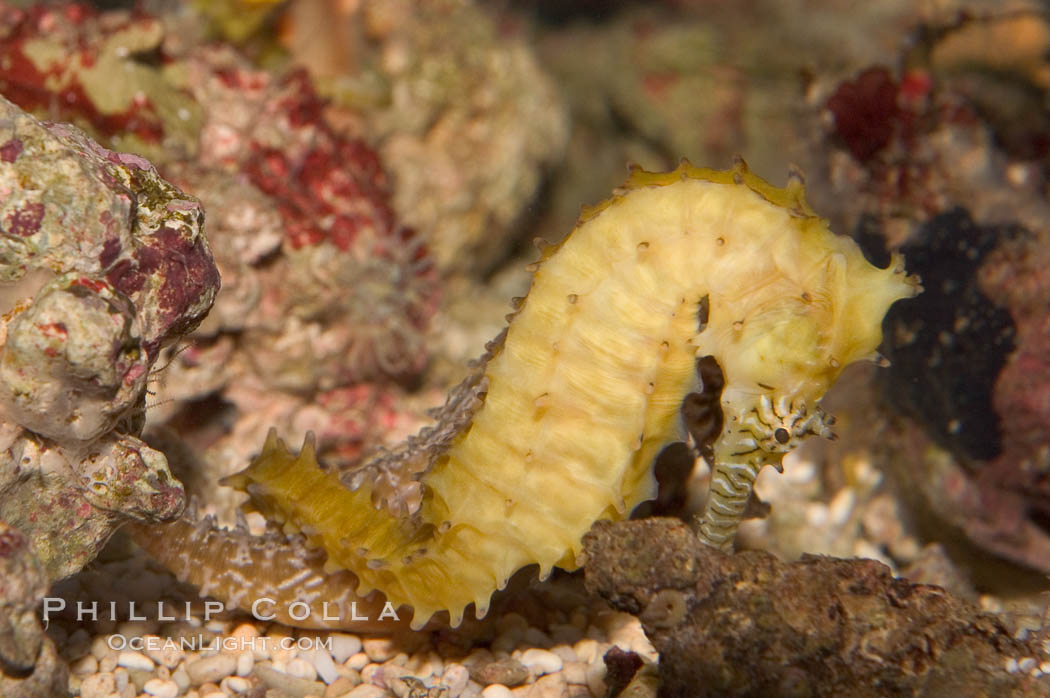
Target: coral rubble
{"points": [[106, 264], [463, 115], [327, 295]]}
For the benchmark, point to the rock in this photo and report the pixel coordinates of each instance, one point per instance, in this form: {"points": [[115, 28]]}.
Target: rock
{"points": [[549, 686], [84, 666], [134, 660], [508, 672], [211, 669], [340, 687], [29, 665], [367, 691], [620, 668], [749, 624], [379, 649], [496, 691], [541, 661], [237, 684], [357, 661], [344, 646], [108, 264], [164, 653], [455, 678], [98, 686], [291, 685], [323, 665], [301, 669], [576, 673], [161, 688], [245, 663]]}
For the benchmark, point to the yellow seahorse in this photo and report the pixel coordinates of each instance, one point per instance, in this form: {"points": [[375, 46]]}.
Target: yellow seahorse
{"points": [[561, 420]]}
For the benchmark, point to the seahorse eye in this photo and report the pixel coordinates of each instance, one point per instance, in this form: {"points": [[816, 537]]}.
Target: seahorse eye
{"points": [[782, 436]]}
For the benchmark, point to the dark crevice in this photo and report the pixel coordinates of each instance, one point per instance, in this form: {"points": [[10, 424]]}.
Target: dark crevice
{"points": [[947, 346], [703, 311]]}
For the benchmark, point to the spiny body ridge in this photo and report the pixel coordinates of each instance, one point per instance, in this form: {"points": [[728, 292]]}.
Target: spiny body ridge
{"points": [[394, 472]]}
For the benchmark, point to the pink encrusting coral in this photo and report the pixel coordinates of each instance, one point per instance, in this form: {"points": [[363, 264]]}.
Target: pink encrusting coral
{"points": [[327, 292], [349, 261]]}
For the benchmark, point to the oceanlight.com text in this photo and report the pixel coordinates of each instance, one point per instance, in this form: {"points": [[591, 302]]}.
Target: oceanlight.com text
{"points": [[196, 643]]}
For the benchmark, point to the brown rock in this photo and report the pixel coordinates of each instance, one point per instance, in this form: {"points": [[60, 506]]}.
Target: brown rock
{"points": [[751, 625], [509, 672]]}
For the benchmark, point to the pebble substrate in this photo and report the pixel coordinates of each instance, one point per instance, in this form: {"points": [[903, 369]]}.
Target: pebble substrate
{"points": [[547, 640], [553, 647]]}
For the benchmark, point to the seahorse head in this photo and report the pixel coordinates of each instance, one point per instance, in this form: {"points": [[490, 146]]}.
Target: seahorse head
{"points": [[818, 309], [809, 305], [779, 424]]}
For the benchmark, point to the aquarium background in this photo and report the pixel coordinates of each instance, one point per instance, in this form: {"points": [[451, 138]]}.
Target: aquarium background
{"points": [[373, 175]]}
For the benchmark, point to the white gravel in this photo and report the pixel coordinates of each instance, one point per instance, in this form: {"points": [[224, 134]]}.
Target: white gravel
{"points": [[161, 688], [563, 655], [211, 669], [541, 662], [344, 646]]}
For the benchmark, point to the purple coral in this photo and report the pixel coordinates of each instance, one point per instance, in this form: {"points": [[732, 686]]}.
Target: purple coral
{"points": [[866, 112]]}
